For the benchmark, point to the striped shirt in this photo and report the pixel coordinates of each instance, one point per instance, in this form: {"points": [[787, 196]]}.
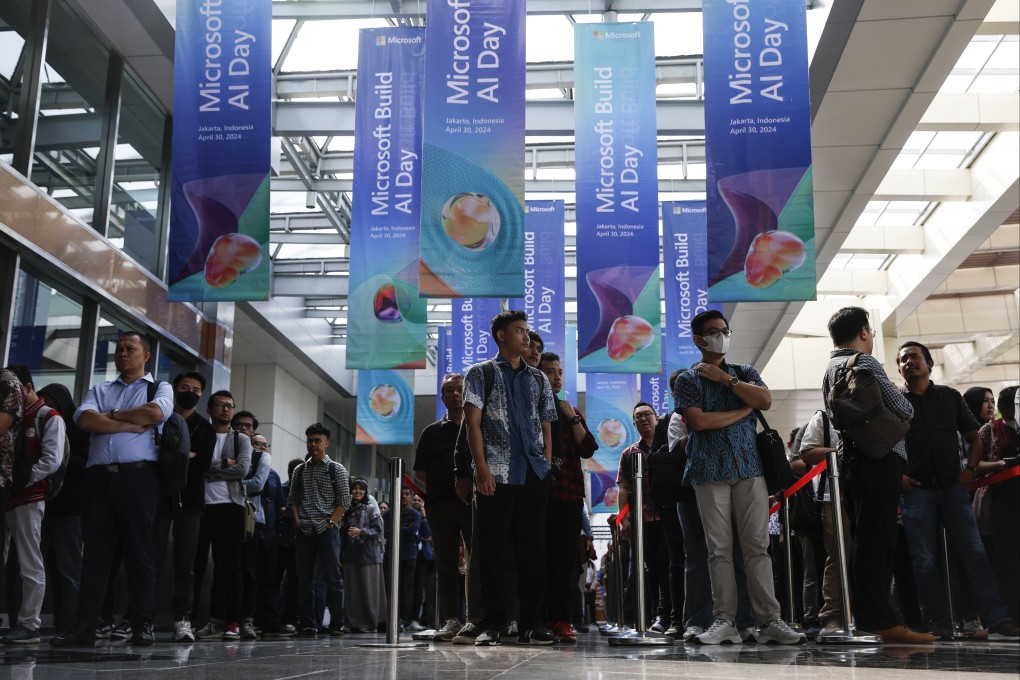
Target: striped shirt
{"points": [[318, 488]]}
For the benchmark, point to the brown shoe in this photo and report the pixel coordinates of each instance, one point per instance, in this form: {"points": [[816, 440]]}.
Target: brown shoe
{"points": [[903, 635]]}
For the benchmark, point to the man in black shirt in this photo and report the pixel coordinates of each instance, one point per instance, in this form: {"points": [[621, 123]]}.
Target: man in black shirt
{"points": [[934, 491], [441, 460]]}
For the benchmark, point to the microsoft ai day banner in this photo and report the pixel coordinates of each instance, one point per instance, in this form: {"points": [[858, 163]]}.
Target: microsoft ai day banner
{"points": [[617, 199], [219, 186], [471, 332], [610, 401], [654, 387], [386, 319], [472, 221], [444, 365], [758, 146], [544, 282], [385, 408], [685, 262]]}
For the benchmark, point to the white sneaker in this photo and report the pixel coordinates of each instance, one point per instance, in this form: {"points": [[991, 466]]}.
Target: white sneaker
{"points": [[449, 630], [415, 627], [183, 632], [692, 632], [749, 634], [779, 631], [719, 632]]}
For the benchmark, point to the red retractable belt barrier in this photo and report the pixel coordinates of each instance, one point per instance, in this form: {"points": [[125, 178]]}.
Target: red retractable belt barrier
{"points": [[799, 484], [623, 513], [412, 486], [995, 478]]}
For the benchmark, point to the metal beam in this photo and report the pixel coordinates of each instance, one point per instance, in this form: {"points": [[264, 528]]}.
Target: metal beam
{"points": [[328, 10], [308, 285], [558, 75], [676, 117]]}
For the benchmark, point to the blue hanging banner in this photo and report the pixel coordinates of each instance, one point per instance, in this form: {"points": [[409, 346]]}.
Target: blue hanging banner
{"points": [[219, 184], [472, 340], [655, 386], [758, 151], [618, 316], [685, 261], [385, 408], [472, 221], [610, 402], [444, 365], [386, 320], [544, 279], [569, 365]]}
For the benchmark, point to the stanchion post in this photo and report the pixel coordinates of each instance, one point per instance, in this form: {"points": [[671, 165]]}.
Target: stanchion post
{"points": [[614, 594], [393, 620], [641, 637], [784, 509], [847, 636], [947, 569]]}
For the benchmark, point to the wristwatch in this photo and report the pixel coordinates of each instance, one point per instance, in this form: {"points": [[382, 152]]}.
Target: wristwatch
{"points": [[973, 470], [575, 420], [734, 381]]}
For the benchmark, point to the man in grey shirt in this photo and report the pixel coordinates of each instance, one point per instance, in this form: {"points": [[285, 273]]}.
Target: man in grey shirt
{"points": [[875, 485]]}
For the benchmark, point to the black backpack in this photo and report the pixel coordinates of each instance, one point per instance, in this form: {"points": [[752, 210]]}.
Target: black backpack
{"points": [[666, 470], [173, 449], [859, 411]]}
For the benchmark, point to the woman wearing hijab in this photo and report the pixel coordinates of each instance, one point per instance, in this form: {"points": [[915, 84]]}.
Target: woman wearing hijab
{"points": [[361, 532]]}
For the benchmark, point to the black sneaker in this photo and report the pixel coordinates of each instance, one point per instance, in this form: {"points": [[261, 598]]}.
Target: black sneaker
{"points": [[144, 636], [308, 631], [121, 632], [488, 638], [536, 636], [78, 635], [1004, 632]]}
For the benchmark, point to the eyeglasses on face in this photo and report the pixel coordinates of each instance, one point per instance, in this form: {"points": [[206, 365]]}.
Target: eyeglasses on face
{"points": [[262, 445], [645, 414], [716, 332], [223, 404]]}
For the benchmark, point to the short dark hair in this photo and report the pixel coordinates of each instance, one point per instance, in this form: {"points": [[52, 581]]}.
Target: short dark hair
{"points": [[536, 337], [448, 377], [845, 324], [672, 378], [24, 375], [1006, 402], [294, 462], [193, 375], [144, 341], [246, 414], [914, 343], [221, 393], [548, 356], [698, 322], [317, 428], [639, 405], [501, 321], [793, 433]]}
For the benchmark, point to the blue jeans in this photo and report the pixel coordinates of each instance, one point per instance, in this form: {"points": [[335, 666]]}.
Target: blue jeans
{"points": [[322, 551], [923, 510]]}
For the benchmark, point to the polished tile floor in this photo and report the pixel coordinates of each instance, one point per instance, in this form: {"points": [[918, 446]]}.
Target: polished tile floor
{"points": [[591, 659]]}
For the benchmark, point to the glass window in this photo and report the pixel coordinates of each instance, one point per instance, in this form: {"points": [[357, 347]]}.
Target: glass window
{"points": [[134, 219], [168, 365], [14, 22], [46, 333], [110, 328], [70, 116]]}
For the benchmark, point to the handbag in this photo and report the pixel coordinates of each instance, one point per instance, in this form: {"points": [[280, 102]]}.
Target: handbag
{"points": [[772, 451], [249, 520]]}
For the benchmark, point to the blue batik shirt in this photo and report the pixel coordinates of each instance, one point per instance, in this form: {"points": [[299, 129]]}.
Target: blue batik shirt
{"points": [[512, 422], [725, 454]]}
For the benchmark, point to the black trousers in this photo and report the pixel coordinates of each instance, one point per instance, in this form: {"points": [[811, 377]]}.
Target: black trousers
{"points": [[449, 520], [61, 546], [119, 507], [260, 586], [876, 485], [185, 527], [224, 527], [287, 593], [656, 567], [513, 516], [563, 527], [673, 537]]}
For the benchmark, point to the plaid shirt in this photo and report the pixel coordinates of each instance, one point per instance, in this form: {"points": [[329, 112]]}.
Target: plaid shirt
{"points": [[317, 493], [570, 484], [893, 398]]}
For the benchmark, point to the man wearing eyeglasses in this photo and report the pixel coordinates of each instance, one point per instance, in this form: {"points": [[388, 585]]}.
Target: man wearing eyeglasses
{"points": [[223, 523], [717, 401], [656, 561]]}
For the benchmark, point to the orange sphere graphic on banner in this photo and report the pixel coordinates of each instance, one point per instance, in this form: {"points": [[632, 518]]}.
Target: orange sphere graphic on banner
{"points": [[230, 256], [772, 255]]}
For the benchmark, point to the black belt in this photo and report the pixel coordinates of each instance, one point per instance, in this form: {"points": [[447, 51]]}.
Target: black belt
{"points": [[127, 467]]}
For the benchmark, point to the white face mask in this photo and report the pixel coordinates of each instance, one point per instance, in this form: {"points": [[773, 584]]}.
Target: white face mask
{"points": [[719, 344]]}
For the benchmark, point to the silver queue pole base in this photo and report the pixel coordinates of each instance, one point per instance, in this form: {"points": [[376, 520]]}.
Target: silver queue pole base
{"points": [[851, 637], [424, 635], [635, 638]]}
